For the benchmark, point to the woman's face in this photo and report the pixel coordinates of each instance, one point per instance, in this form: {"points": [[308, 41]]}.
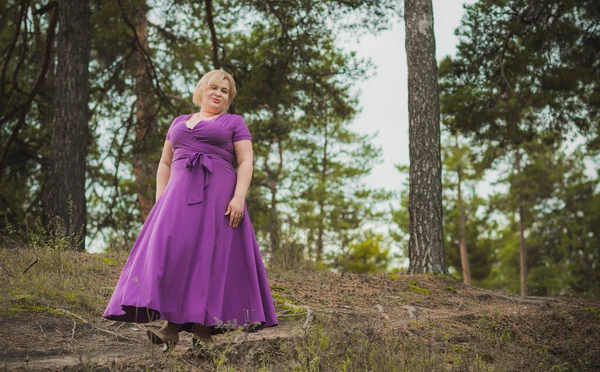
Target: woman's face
{"points": [[216, 97]]}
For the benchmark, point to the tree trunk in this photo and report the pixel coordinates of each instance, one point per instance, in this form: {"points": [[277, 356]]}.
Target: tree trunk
{"points": [[321, 228], [320, 233], [274, 231], [464, 258], [64, 192], [144, 169], [426, 250], [273, 185], [522, 246]]}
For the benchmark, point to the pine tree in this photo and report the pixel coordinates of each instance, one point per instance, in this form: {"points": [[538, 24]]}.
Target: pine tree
{"points": [[64, 189], [426, 249]]}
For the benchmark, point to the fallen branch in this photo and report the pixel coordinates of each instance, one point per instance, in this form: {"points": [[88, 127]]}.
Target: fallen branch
{"points": [[310, 316], [528, 299], [73, 331], [30, 265], [118, 336]]}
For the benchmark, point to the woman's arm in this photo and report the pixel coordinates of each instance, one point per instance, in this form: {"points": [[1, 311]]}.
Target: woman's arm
{"points": [[245, 159], [164, 169]]}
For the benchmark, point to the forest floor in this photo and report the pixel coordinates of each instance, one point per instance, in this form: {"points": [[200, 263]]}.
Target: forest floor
{"points": [[51, 305]]}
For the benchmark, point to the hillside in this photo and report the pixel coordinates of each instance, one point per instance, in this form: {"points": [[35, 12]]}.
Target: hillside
{"points": [[51, 304]]}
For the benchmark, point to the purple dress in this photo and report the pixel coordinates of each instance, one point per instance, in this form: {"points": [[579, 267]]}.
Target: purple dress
{"points": [[187, 264]]}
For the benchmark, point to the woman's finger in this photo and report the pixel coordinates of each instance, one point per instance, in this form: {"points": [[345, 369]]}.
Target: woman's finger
{"points": [[238, 220]]}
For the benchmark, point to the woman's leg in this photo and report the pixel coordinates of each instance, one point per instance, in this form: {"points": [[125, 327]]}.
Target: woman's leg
{"points": [[202, 333], [169, 328], [169, 333]]}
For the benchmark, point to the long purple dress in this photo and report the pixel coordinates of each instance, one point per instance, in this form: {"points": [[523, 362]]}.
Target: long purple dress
{"points": [[187, 264]]}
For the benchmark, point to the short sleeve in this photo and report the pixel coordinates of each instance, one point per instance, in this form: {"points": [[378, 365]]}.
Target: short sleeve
{"points": [[241, 131], [168, 136]]}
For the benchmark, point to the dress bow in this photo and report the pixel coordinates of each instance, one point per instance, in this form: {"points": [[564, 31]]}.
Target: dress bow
{"points": [[200, 165]]}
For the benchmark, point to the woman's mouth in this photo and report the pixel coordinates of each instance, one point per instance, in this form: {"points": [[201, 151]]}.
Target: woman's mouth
{"points": [[215, 100]]}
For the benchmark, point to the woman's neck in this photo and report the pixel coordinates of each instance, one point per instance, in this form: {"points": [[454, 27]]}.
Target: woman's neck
{"points": [[204, 114]]}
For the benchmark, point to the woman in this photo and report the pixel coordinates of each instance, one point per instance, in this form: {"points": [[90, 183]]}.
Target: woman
{"points": [[196, 263]]}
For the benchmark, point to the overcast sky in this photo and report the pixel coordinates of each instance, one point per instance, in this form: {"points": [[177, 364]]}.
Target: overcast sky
{"points": [[384, 97]]}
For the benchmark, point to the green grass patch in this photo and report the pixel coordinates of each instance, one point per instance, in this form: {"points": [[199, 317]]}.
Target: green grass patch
{"points": [[286, 309], [415, 288], [52, 278]]}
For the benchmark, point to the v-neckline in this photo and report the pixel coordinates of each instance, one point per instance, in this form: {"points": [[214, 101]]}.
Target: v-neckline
{"points": [[200, 121]]}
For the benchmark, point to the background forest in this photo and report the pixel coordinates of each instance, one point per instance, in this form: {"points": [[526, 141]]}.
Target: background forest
{"points": [[520, 106]]}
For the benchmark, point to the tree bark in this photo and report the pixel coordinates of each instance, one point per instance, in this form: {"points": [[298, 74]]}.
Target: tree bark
{"points": [[144, 169], [64, 191], [426, 250]]}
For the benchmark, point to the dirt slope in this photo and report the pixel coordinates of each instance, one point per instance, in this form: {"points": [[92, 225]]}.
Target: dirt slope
{"points": [[328, 322]]}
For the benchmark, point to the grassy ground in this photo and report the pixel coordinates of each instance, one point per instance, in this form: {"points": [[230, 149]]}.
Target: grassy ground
{"points": [[51, 303]]}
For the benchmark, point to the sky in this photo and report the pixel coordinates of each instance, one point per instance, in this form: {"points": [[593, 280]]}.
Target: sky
{"points": [[383, 98]]}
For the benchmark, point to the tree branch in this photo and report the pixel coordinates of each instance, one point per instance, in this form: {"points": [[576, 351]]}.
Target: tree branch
{"points": [[213, 34], [147, 58], [24, 108]]}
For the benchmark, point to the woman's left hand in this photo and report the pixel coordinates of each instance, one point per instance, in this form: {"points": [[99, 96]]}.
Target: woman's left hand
{"points": [[235, 210]]}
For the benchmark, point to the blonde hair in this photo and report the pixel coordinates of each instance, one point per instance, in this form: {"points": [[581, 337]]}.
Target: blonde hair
{"points": [[209, 79]]}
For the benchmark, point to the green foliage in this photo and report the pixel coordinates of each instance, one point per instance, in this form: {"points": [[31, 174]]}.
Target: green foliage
{"points": [[310, 352], [367, 256], [461, 170], [522, 68], [281, 55], [400, 229], [521, 82], [40, 237], [25, 109], [329, 197]]}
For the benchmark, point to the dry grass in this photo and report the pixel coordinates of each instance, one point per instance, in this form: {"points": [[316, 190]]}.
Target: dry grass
{"points": [[363, 323], [42, 280]]}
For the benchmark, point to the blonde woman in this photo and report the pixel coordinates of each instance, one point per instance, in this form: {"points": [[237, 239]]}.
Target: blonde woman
{"points": [[196, 263]]}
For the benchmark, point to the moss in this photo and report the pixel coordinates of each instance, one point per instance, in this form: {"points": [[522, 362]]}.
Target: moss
{"points": [[278, 288], [593, 311], [25, 303], [414, 287], [109, 261], [451, 289], [21, 308], [287, 309]]}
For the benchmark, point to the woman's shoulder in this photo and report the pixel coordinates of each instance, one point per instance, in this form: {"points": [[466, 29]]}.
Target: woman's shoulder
{"points": [[182, 116], [179, 118], [235, 118]]}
